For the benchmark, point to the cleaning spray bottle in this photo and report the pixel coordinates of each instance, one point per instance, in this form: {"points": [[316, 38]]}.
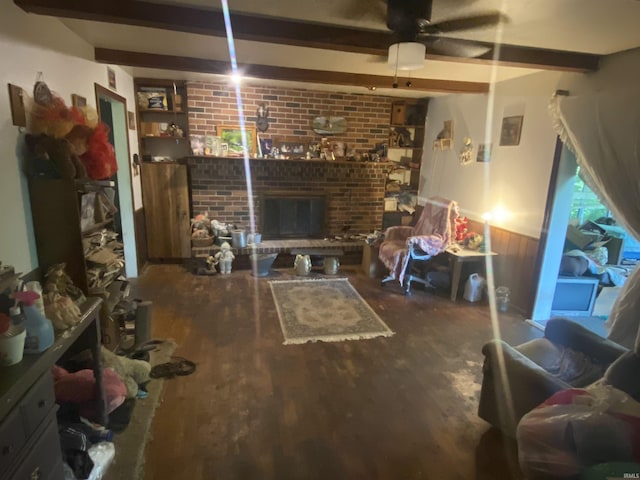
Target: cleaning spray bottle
{"points": [[40, 334]]}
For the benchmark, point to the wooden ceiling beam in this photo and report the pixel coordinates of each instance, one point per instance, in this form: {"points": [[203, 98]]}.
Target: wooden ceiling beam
{"points": [[269, 72], [286, 32]]}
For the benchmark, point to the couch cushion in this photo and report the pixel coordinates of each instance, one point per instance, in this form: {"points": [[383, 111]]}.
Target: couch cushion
{"points": [[564, 363]]}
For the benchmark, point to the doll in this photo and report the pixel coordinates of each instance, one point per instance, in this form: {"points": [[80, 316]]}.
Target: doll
{"points": [[225, 257]]}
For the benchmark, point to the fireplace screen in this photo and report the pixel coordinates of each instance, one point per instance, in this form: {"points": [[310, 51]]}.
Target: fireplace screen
{"points": [[293, 217]]}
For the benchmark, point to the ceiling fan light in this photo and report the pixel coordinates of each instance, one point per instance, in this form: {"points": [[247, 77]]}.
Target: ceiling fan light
{"points": [[406, 56]]}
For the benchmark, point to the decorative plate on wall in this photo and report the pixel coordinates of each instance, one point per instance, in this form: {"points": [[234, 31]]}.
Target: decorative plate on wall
{"points": [[329, 125]]}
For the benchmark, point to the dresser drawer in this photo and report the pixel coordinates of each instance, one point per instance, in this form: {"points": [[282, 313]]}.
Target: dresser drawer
{"points": [[38, 402], [12, 439], [43, 461]]}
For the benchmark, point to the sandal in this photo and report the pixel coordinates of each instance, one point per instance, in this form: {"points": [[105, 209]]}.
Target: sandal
{"points": [[179, 367]]}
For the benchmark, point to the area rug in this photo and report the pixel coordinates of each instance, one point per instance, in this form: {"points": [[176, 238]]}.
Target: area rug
{"points": [[327, 310], [128, 463]]}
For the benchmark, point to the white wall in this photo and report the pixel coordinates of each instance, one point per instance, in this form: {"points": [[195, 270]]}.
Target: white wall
{"points": [[517, 177], [30, 44]]}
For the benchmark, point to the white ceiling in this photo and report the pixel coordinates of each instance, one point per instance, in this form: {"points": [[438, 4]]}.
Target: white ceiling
{"points": [[587, 26]]}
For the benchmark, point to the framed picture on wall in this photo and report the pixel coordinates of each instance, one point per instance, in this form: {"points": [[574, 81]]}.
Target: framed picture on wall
{"points": [[131, 118], [78, 101], [511, 130], [232, 136], [484, 153]]}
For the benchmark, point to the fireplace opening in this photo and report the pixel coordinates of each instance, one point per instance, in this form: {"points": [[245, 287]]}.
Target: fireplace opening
{"points": [[293, 216]]}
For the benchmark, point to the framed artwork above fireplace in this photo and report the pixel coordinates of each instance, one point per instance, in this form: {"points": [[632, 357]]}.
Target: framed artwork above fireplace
{"points": [[232, 136]]}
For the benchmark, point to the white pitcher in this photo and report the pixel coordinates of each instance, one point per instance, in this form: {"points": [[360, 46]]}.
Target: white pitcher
{"points": [[302, 264]]}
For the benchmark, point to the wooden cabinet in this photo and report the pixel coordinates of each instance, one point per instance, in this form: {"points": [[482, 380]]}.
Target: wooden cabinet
{"points": [[29, 441], [163, 124], [165, 191], [406, 137], [66, 224]]}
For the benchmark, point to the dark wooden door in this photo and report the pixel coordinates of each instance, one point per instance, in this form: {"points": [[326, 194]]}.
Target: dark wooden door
{"points": [[165, 191]]}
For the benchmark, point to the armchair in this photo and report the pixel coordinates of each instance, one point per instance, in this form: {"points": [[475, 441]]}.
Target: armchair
{"points": [[568, 356], [405, 245]]}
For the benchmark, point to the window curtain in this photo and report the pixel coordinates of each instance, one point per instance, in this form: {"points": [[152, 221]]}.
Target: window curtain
{"points": [[603, 130]]}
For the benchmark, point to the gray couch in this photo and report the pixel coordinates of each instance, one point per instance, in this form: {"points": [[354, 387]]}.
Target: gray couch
{"points": [[567, 356]]}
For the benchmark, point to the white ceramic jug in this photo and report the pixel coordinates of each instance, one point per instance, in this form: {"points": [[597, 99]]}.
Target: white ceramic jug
{"points": [[302, 264]]}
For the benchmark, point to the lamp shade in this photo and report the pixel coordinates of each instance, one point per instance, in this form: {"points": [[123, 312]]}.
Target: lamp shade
{"points": [[406, 56]]}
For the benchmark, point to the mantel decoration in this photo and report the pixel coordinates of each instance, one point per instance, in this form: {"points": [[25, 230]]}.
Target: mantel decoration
{"points": [[329, 125], [232, 136], [262, 118]]}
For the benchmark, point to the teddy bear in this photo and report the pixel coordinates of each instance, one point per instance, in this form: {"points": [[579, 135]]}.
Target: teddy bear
{"points": [[51, 157], [132, 372]]}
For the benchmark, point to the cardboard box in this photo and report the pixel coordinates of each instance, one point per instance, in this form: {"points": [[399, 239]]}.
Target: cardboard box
{"points": [[390, 204], [150, 129], [576, 239]]}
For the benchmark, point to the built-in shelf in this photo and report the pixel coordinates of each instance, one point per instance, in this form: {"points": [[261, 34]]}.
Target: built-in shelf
{"points": [[97, 227]]}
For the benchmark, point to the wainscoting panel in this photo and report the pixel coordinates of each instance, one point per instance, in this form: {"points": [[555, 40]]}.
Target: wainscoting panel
{"points": [[514, 266]]}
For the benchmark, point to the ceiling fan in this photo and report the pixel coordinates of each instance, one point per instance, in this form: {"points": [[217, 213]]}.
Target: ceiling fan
{"points": [[413, 30]]}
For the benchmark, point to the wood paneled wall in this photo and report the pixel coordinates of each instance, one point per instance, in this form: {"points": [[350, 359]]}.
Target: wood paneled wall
{"points": [[514, 267]]}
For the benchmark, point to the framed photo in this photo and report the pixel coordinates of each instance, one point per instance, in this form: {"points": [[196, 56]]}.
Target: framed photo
{"points": [[511, 129], [232, 136], [338, 149], [224, 149], [212, 145], [292, 149], [111, 76], [314, 149], [131, 118], [78, 101], [266, 146], [484, 153], [197, 144]]}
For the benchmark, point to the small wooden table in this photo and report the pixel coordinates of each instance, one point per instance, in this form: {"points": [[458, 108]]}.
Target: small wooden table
{"points": [[458, 256]]}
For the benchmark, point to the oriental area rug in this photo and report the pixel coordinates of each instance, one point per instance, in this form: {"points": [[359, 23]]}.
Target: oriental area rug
{"points": [[330, 310]]}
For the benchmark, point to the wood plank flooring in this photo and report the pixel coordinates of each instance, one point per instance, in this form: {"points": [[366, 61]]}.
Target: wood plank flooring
{"points": [[393, 408]]}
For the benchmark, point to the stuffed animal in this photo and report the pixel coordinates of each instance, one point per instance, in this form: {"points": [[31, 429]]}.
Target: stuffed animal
{"points": [[51, 157], [132, 372]]}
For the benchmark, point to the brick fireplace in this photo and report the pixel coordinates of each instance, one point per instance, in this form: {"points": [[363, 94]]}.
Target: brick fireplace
{"points": [[353, 191]]}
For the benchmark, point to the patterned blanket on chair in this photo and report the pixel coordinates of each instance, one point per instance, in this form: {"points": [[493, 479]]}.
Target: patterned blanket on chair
{"points": [[432, 234]]}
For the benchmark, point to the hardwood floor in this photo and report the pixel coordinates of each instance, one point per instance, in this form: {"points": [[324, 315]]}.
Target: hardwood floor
{"points": [[393, 408]]}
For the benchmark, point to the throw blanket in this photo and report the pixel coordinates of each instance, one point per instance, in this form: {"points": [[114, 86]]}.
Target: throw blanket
{"points": [[432, 234]]}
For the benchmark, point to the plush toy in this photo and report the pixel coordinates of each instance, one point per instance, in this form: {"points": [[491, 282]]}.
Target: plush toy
{"points": [[132, 372], [224, 258], [51, 157], [80, 388]]}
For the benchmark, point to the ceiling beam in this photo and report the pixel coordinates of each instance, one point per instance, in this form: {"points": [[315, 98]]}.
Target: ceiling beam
{"points": [[286, 32], [269, 72]]}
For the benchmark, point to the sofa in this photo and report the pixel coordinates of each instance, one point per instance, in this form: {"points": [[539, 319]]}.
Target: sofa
{"points": [[524, 376]]}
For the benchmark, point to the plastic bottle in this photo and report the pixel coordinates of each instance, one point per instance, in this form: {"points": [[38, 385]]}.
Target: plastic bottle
{"points": [[40, 334], [17, 317]]}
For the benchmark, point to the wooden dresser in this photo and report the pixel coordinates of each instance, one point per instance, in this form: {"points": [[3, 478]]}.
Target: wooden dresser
{"points": [[29, 442]]}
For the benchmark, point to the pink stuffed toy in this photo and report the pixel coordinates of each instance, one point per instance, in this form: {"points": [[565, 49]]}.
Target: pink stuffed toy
{"points": [[80, 387]]}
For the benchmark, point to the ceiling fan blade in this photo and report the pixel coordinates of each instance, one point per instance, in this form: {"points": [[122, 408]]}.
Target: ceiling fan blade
{"points": [[451, 47], [465, 23]]}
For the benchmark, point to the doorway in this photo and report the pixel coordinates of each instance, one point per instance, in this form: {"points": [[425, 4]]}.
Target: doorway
{"points": [[569, 206], [112, 110]]}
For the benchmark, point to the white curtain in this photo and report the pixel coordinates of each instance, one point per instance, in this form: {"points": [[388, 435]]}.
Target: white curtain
{"points": [[603, 130]]}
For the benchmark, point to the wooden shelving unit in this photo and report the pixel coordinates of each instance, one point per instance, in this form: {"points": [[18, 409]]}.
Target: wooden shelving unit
{"points": [[56, 212], [156, 145], [406, 137]]}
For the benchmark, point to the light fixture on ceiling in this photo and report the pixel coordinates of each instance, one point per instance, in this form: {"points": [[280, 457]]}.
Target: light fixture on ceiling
{"points": [[406, 56]]}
